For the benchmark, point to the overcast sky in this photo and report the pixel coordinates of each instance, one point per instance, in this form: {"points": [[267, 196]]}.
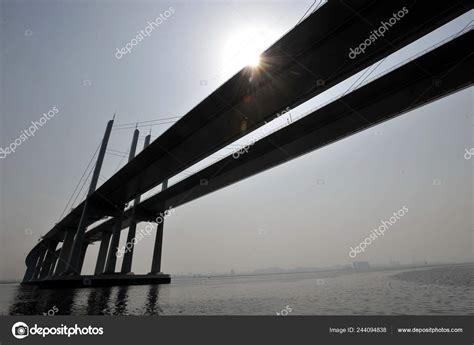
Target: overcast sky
{"points": [[307, 212]]}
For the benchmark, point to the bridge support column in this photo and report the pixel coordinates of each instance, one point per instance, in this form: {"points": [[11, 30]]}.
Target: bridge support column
{"points": [[82, 257], [128, 256], [156, 263], [30, 268], [75, 254], [51, 250], [54, 263], [65, 251], [39, 264], [102, 256], [112, 255]]}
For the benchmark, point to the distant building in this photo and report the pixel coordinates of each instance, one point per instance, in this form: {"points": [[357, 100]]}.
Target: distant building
{"points": [[361, 265]]}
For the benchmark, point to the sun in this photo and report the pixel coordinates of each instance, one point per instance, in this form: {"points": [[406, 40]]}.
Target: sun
{"points": [[245, 48], [253, 61]]}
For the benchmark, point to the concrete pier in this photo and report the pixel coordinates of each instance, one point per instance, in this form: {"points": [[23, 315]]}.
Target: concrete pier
{"points": [[102, 256], [48, 261], [65, 251], [82, 257], [114, 243], [156, 262], [39, 263], [54, 263], [30, 268], [128, 256]]}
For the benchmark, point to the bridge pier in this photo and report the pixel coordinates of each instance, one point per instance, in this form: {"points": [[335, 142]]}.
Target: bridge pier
{"points": [[68, 242], [48, 261], [156, 262], [114, 243], [30, 268], [82, 257], [128, 256], [54, 263], [39, 263], [102, 256], [112, 255]]}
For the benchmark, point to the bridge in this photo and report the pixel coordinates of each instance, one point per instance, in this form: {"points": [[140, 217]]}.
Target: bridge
{"points": [[308, 60]]}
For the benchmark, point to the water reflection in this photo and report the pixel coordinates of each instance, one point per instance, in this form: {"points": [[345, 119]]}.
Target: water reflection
{"points": [[121, 301], [151, 306], [87, 301], [98, 301], [34, 301]]}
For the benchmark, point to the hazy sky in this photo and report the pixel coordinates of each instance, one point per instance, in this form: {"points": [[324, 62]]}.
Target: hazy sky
{"points": [[307, 212]]}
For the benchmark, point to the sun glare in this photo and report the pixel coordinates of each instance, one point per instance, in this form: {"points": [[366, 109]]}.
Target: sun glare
{"points": [[254, 61], [245, 48]]}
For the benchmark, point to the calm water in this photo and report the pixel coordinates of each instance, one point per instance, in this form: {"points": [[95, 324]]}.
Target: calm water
{"points": [[440, 291]]}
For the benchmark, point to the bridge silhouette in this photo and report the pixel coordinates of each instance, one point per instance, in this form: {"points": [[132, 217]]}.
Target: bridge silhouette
{"points": [[308, 60]]}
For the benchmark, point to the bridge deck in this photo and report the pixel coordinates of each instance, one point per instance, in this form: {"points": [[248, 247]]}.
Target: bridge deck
{"points": [[429, 77]]}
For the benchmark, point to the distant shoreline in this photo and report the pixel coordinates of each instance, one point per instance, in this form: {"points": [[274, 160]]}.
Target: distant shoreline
{"points": [[456, 275], [419, 267], [332, 270]]}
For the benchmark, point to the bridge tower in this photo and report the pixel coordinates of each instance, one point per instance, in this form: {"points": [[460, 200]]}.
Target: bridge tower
{"points": [[73, 244]]}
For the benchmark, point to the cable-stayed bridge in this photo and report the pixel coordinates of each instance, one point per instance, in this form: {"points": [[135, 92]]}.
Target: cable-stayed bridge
{"points": [[308, 60]]}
